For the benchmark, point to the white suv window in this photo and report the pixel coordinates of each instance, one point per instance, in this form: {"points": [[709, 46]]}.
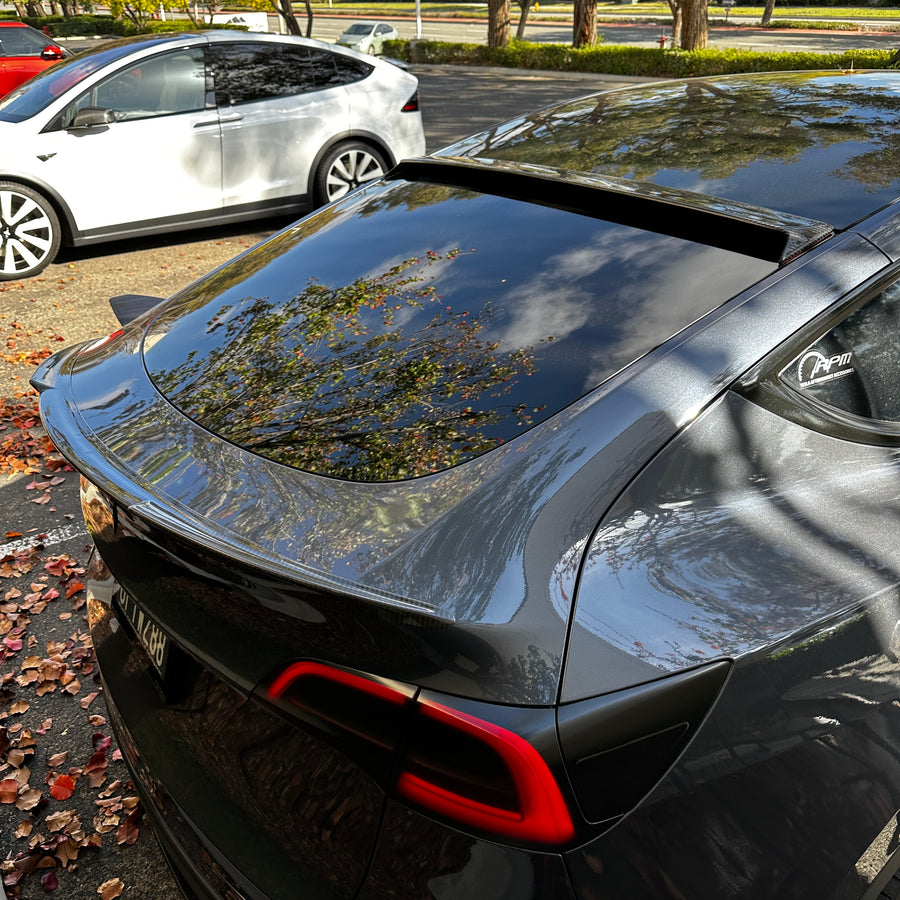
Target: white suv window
{"points": [[245, 73], [159, 86]]}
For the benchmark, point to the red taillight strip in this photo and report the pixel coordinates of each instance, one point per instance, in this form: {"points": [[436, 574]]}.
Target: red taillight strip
{"points": [[453, 805], [542, 817], [317, 670]]}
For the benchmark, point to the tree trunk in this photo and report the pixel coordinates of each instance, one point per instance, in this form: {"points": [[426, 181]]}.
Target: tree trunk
{"points": [[584, 31], [498, 23], [694, 25], [309, 19], [767, 13], [286, 11], [190, 10], [675, 9], [523, 18], [21, 12]]}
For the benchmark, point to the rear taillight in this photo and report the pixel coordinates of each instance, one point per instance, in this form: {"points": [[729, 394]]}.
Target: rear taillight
{"points": [[482, 776], [451, 764], [496, 770], [362, 716], [411, 105]]}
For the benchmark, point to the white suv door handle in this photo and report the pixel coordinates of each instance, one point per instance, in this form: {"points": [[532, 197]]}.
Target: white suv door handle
{"points": [[231, 117]]}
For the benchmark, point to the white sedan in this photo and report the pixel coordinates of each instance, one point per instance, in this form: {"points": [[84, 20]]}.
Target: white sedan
{"points": [[368, 37], [162, 133]]}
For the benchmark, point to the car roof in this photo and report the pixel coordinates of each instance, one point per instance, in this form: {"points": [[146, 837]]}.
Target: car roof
{"points": [[819, 145]]}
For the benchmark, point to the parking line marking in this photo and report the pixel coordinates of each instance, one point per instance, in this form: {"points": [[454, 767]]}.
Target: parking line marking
{"points": [[56, 536]]}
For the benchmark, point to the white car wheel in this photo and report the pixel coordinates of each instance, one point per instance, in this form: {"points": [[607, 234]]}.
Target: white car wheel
{"points": [[29, 232], [347, 167]]}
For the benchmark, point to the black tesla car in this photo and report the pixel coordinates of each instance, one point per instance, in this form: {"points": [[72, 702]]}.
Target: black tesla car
{"points": [[525, 524]]}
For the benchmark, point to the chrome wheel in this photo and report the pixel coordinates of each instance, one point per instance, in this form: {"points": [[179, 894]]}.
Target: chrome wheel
{"points": [[29, 232], [347, 168]]}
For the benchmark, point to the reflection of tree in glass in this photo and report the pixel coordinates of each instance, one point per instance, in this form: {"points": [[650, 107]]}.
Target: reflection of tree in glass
{"points": [[409, 196], [373, 381], [878, 167], [707, 127]]}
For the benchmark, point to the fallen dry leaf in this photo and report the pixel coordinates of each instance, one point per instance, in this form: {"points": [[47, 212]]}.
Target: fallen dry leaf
{"points": [[9, 790], [62, 788], [29, 799], [111, 889]]}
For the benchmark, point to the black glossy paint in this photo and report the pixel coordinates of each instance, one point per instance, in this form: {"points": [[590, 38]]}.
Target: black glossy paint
{"points": [[790, 790], [309, 814], [777, 518]]}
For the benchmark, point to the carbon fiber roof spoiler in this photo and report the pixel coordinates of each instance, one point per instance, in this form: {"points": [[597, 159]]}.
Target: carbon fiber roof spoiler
{"points": [[729, 225]]}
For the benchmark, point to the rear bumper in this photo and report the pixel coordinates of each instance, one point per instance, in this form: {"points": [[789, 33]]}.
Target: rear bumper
{"points": [[195, 880], [247, 806]]}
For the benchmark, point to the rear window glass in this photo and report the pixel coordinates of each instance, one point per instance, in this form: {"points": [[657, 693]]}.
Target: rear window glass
{"points": [[416, 326], [246, 73]]}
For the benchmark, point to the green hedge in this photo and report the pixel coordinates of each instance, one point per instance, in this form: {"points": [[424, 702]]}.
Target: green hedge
{"points": [[80, 26], [617, 59], [155, 26]]}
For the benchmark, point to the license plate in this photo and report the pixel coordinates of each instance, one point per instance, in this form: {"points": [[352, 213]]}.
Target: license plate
{"points": [[151, 636]]}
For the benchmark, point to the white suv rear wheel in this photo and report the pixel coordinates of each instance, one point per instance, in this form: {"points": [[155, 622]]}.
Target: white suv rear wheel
{"points": [[346, 167], [29, 231]]}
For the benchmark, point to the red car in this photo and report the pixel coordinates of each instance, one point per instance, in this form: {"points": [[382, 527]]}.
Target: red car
{"points": [[24, 51]]}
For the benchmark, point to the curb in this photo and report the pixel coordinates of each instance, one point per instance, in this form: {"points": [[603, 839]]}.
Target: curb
{"points": [[536, 73]]}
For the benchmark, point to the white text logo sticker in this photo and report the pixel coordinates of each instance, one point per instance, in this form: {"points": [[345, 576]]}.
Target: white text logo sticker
{"points": [[814, 368]]}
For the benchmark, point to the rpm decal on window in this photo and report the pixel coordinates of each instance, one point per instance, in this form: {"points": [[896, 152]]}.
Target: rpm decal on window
{"points": [[816, 368]]}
